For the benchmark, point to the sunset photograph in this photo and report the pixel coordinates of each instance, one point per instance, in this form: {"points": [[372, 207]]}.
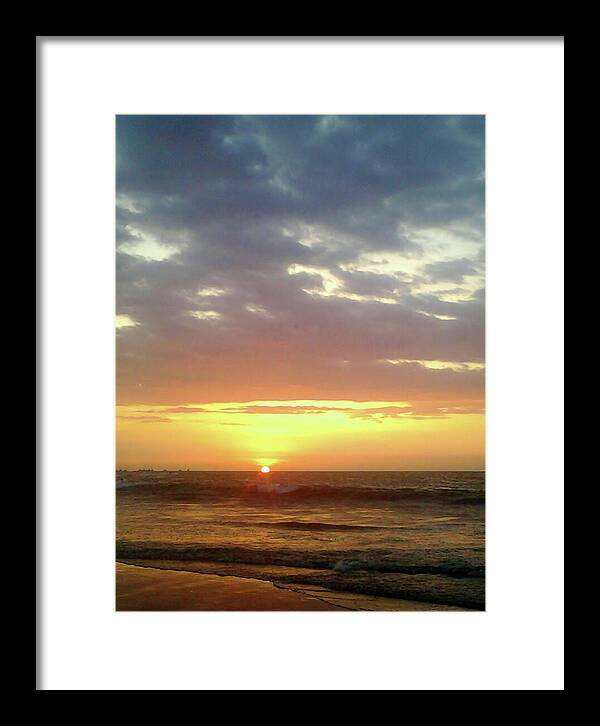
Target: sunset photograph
{"points": [[300, 362]]}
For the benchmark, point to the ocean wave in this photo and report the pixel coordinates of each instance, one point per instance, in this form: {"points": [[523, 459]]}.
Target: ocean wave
{"points": [[326, 491], [321, 492], [440, 589], [301, 526], [335, 560]]}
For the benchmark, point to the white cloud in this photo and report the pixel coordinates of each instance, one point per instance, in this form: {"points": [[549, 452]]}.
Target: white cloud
{"points": [[212, 292], [206, 314], [124, 321], [438, 365], [258, 310], [147, 246]]}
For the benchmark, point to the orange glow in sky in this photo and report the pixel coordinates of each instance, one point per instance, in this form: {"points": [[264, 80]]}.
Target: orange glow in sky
{"points": [[298, 435], [303, 292]]}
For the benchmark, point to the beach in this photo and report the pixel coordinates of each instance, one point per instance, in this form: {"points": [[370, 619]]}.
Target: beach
{"points": [[150, 588]]}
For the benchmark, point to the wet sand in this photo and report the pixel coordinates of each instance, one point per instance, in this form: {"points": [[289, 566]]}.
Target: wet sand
{"points": [[146, 588], [143, 587]]}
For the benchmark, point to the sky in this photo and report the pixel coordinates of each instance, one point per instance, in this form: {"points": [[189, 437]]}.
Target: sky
{"points": [[305, 292]]}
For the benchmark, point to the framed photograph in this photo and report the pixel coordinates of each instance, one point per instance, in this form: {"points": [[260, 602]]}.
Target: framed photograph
{"points": [[267, 369]]}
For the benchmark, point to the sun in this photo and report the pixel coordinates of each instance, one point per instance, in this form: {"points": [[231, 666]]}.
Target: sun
{"points": [[265, 469]]}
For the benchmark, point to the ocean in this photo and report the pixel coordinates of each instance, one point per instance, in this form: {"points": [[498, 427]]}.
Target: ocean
{"points": [[360, 540]]}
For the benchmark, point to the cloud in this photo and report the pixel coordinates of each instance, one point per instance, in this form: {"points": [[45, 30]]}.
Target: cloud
{"points": [[282, 257], [354, 410], [284, 410], [124, 321], [145, 419], [439, 365], [180, 409]]}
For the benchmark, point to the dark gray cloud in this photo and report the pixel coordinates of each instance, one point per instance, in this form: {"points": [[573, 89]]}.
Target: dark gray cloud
{"points": [[282, 257]]}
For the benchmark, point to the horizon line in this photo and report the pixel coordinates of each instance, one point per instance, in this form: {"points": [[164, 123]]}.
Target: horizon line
{"points": [[479, 471]]}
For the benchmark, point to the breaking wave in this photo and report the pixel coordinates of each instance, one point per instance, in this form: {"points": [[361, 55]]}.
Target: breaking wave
{"points": [[329, 560]]}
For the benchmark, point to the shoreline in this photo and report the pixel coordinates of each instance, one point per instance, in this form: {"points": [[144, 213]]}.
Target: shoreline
{"points": [[145, 587]]}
